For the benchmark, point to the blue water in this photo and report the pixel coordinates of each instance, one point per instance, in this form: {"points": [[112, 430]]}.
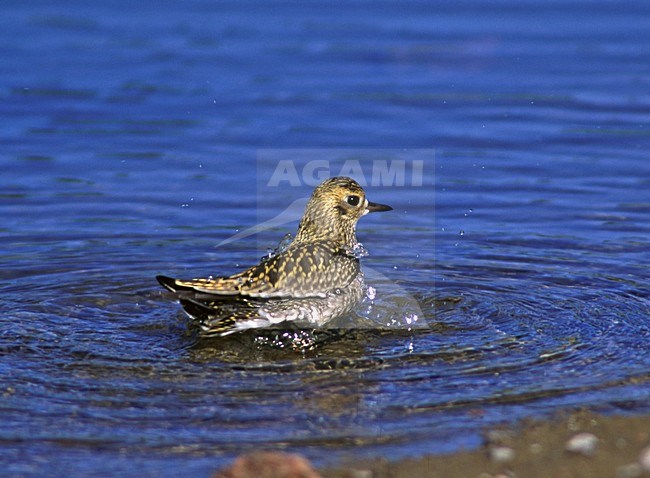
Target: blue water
{"points": [[136, 137]]}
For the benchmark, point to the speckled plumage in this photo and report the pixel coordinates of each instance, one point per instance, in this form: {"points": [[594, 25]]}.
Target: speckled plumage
{"points": [[315, 279]]}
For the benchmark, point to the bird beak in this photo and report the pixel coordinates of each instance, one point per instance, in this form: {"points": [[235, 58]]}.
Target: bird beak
{"points": [[374, 207]]}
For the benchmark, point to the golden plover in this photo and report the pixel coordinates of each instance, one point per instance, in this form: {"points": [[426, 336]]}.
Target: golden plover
{"points": [[313, 280]]}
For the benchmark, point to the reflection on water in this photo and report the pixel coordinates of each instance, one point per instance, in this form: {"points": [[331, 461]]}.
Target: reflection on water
{"points": [[511, 284]]}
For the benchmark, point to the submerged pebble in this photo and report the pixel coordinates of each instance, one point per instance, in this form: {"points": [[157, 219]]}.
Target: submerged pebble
{"points": [[631, 470], [502, 454], [582, 443], [644, 458]]}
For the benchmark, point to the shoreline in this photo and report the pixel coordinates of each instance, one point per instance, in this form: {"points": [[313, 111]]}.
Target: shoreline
{"points": [[570, 445]]}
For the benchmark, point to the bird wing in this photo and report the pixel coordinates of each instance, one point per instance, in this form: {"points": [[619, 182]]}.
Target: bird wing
{"points": [[224, 315], [305, 270]]}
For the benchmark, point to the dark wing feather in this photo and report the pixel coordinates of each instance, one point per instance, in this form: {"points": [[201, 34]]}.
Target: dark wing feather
{"points": [[222, 317]]}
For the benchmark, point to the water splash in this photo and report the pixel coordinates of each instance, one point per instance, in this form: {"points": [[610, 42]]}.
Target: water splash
{"points": [[299, 340], [358, 251], [282, 246]]}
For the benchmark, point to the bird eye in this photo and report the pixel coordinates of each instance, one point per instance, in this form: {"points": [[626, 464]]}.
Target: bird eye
{"points": [[352, 200]]}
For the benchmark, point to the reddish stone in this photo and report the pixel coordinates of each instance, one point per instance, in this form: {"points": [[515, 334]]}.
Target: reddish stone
{"points": [[269, 465]]}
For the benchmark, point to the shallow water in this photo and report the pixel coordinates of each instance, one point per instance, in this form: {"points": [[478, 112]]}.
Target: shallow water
{"points": [[135, 140]]}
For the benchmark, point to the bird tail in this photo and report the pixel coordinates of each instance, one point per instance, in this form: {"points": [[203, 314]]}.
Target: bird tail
{"points": [[217, 285], [169, 283], [215, 313]]}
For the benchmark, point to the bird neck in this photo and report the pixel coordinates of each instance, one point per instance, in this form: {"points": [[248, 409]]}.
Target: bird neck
{"points": [[317, 229]]}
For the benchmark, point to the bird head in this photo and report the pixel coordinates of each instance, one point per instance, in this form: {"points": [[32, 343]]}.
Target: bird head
{"points": [[333, 210]]}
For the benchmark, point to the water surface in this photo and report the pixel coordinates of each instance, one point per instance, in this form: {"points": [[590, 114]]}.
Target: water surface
{"points": [[136, 138]]}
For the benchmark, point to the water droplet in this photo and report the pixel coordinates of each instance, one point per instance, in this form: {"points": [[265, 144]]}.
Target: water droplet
{"points": [[371, 292], [462, 233], [411, 318], [284, 243], [358, 251], [282, 246]]}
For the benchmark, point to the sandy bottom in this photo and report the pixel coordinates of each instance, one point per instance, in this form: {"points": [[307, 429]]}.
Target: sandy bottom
{"points": [[580, 444]]}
